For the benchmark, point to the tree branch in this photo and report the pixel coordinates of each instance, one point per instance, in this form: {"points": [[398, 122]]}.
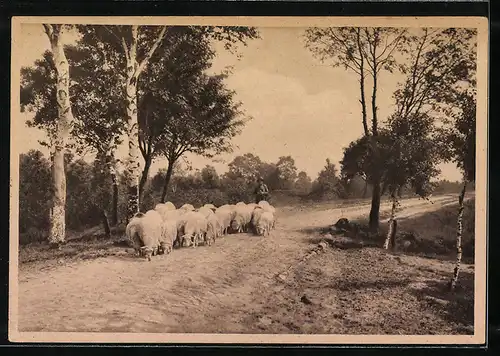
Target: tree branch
{"points": [[48, 30], [151, 51]]}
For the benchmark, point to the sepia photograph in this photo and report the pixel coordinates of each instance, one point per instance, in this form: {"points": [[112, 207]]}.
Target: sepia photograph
{"points": [[257, 180]]}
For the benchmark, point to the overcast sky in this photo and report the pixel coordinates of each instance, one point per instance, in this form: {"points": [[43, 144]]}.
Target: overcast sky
{"points": [[300, 107]]}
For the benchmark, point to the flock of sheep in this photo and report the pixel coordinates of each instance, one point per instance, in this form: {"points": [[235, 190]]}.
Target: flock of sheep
{"points": [[158, 230]]}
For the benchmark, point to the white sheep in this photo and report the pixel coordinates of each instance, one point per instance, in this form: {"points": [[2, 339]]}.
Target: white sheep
{"points": [[253, 205], [231, 208], [213, 229], [265, 223], [168, 236], [256, 214], [206, 212], [225, 215], [210, 206], [238, 223], [168, 206], [240, 203], [195, 228], [269, 208], [263, 203], [170, 214], [242, 218], [187, 207], [144, 231]]}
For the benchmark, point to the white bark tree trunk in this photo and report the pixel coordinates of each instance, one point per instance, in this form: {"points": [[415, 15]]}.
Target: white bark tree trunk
{"points": [[458, 262], [134, 69], [391, 234], [132, 127], [63, 126]]}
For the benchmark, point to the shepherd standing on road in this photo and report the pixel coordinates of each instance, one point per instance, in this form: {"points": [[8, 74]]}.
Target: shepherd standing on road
{"points": [[261, 192]]}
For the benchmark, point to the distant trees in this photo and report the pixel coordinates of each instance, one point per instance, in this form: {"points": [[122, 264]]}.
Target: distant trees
{"points": [[328, 182], [286, 172], [210, 177], [303, 184], [434, 61], [35, 191]]}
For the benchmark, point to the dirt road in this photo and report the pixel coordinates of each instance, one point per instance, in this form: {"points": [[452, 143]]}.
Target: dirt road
{"points": [[206, 289]]}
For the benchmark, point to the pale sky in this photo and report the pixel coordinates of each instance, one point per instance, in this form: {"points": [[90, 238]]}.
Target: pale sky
{"points": [[300, 107]]}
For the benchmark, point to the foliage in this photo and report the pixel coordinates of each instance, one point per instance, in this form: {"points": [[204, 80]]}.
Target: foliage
{"points": [[303, 184], [35, 191], [366, 51], [439, 63], [210, 177], [461, 137], [38, 93], [328, 181], [286, 172], [80, 206], [407, 155]]}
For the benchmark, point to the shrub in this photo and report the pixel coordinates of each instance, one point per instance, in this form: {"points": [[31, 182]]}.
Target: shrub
{"points": [[33, 235]]}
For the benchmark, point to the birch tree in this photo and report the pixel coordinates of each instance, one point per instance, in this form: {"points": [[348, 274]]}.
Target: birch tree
{"points": [[441, 64], [97, 105], [57, 232], [462, 145], [138, 44]]}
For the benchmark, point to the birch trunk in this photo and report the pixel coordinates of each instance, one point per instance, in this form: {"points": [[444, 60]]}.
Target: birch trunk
{"points": [[111, 169], [391, 234], [458, 262], [114, 207], [57, 230], [134, 69], [132, 128]]}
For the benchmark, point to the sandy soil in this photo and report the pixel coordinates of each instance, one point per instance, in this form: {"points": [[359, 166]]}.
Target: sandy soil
{"points": [[233, 287]]}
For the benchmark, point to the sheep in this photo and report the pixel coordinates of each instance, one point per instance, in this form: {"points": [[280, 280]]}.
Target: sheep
{"points": [[195, 228], [170, 214], [187, 207], [168, 236], [210, 206], [256, 214], [253, 205], [167, 206], [265, 223], [242, 218], [240, 204], [269, 208], [206, 212], [213, 229], [145, 232], [225, 215], [230, 208], [263, 203], [238, 223], [170, 205]]}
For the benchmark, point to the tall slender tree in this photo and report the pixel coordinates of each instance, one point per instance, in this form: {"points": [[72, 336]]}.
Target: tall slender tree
{"points": [[97, 104], [461, 140], [366, 52], [63, 124]]}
